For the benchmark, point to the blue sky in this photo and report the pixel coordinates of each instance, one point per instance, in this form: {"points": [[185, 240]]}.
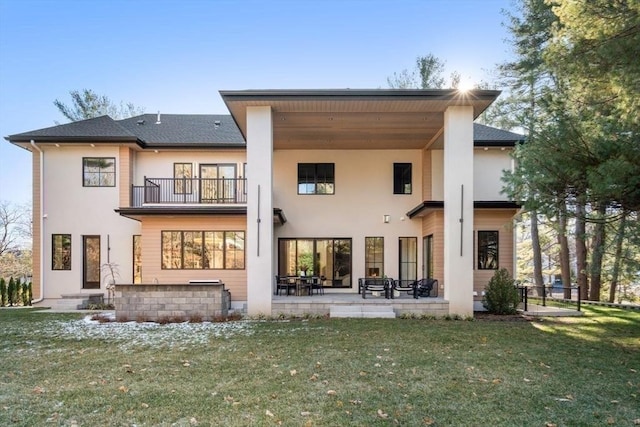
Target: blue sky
{"points": [[174, 56]]}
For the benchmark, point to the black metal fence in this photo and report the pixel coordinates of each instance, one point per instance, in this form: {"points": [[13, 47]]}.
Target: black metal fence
{"points": [[565, 297], [189, 191]]}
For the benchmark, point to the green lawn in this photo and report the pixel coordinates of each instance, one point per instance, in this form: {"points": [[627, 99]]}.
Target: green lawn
{"points": [[58, 369]]}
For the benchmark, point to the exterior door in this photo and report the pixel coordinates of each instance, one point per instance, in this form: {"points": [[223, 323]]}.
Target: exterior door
{"points": [[91, 262], [218, 183]]}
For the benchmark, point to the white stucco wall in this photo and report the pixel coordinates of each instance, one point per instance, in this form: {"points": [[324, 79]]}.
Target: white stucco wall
{"points": [[488, 167], [363, 195], [160, 165], [437, 175], [73, 209]]}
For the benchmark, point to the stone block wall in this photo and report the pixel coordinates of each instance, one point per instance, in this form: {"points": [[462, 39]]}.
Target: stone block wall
{"points": [[157, 302]]}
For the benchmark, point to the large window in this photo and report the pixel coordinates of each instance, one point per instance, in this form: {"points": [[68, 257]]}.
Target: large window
{"points": [[91, 262], [326, 258], [61, 251], [316, 178], [408, 248], [182, 174], [374, 256], [487, 250], [193, 250], [402, 178], [98, 171]]}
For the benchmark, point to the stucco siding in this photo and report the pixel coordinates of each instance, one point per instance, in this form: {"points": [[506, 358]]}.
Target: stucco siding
{"points": [[73, 209], [152, 272], [488, 167], [160, 165], [363, 195]]}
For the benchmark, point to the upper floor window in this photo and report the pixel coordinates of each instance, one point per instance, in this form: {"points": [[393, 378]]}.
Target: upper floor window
{"points": [[99, 171], [61, 251], [402, 178], [316, 178], [487, 250], [182, 174]]}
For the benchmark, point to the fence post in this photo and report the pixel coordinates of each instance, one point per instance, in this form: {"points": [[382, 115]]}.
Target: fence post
{"points": [[544, 295], [578, 297]]}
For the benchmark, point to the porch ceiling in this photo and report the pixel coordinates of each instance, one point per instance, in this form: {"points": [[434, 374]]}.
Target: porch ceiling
{"points": [[355, 119]]}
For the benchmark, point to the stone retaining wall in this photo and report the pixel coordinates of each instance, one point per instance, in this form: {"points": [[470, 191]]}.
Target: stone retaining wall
{"points": [[175, 302]]}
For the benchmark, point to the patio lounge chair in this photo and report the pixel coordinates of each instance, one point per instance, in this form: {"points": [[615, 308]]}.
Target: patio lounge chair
{"points": [[424, 287], [375, 284]]}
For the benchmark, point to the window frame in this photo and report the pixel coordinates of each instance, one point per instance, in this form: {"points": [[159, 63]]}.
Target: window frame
{"points": [[400, 181], [185, 181], [377, 255], [480, 251], [64, 267], [316, 179], [203, 250], [87, 183]]}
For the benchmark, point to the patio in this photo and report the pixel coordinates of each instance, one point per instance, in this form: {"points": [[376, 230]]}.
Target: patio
{"points": [[322, 304]]}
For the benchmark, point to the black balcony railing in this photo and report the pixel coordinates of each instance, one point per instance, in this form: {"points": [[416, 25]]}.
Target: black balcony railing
{"points": [[189, 191]]}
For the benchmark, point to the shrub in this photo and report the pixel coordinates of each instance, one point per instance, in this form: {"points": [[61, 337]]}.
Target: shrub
{"points": [[3, 292], [501, 295], [26, 294], [11, 290]]}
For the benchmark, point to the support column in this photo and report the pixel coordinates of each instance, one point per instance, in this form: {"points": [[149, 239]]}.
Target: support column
{"points": [[458, 209], [259, 239]]}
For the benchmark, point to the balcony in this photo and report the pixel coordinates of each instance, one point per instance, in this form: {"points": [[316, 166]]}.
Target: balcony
{"points": [[189, 191]]}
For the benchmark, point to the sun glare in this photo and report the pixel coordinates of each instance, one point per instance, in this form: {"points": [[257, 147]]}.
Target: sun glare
{"points": [[465, 85]]}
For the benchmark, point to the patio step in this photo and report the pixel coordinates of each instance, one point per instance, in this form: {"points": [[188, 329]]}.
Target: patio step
{"points": [[369, 311]]}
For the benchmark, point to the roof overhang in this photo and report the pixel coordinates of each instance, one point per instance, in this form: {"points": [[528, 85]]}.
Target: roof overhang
{"points": [[138, 213], [427, 207], [355, 118]]}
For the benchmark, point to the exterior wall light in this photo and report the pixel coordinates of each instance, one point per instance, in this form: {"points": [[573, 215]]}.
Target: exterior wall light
{"points": [[386, 218]]}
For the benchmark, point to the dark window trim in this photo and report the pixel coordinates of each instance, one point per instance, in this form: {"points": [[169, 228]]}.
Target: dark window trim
{"points": [[53, 251], [188, 182], [375, 263], [97, 186], [497, 254], [224, 249], [415, 273], [85, 283], [400, 186], [316, 181]]}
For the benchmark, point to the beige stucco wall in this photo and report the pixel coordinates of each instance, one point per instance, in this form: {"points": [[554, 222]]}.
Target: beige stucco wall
{"points": [[73, 209], [152, 272], [437, 174], [488, 167], [160, 165], [363, 195]]}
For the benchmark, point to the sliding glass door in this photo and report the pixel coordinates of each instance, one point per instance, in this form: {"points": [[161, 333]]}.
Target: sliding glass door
{"points": [[326, 258]]}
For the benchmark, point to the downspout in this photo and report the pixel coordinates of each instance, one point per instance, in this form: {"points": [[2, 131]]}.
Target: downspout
{"points": [[33, 144]]}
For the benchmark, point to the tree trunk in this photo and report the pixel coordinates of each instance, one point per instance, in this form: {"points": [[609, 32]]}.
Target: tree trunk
{"points": [[618, 255], [597, 248], [581, 249], [537, 253], [565, 264]]}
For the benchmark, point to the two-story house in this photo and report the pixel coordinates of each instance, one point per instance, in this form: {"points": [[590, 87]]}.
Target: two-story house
{"points": [[340, 184]]}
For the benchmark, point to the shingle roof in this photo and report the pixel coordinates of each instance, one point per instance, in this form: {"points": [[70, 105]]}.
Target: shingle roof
{"points": [[184, 129], [487, 135], [191, 130], [98, 128]]}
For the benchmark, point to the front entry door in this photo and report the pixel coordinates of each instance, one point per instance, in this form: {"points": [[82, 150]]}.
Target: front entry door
{"points": [[91, 262], [217, 183]]}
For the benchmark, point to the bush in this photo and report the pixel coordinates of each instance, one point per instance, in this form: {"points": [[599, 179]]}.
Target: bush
{"points": [[501, 295], [3, 292]]}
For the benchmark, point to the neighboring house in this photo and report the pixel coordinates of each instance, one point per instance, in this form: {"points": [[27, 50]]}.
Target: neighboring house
{"points": [[340, 183]]}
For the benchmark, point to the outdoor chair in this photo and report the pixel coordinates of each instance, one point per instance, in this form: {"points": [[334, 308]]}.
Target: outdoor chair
{"points": [[375, 284], [283, 283], [408, 286], [424, 287], [317, 285]]}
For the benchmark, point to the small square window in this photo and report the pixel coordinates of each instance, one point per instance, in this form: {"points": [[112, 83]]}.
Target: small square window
{"points": [[316, 178], [99, 171]]}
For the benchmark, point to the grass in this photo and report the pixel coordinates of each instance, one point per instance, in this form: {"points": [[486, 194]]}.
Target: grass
{"points": [[60, 370]]}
